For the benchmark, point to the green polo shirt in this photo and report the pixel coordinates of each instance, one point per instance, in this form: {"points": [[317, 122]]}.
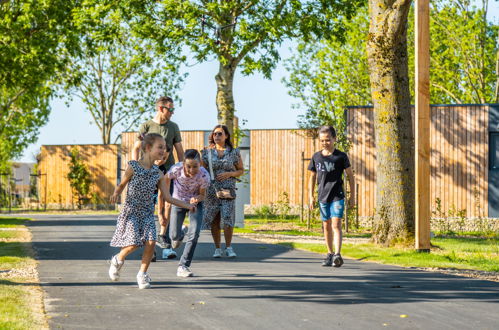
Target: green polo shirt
{"points": [[168, 130]]}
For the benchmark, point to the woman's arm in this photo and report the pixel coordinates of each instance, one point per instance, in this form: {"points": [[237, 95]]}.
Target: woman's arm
{"points": [[119, 188], [164, 186], [234, 174]]}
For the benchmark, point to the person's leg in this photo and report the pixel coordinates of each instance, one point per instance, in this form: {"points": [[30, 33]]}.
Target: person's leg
{"points": [[177, 216], [125, 251], [117, 261], [146, 256], [328, 235], [215, 230], [228, 231], [195, 222], [336, 224]]}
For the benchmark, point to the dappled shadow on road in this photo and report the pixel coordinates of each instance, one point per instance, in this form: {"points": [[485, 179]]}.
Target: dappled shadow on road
{"points": [[381, 287]]}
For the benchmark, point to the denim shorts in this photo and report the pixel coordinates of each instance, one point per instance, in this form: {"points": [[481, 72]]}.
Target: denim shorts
{"points": [[332, 210]]}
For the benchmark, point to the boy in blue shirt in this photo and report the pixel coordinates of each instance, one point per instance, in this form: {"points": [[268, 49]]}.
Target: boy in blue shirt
{"points": [[327, 167]]}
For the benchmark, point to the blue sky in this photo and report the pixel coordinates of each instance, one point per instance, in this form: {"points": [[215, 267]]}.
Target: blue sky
{"points": [[263, 103]]}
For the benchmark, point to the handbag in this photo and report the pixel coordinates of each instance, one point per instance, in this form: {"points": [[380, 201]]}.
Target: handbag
{"points": [[222, 193]]}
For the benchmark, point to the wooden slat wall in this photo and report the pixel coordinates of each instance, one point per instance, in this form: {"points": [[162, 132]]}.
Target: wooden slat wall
{"points": [[190, 140], [362, 156], [276, 165], [459, 157], [101, 161]]}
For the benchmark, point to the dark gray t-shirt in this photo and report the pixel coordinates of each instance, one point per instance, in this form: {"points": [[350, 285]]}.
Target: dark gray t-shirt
{"points": [[329, 171], [169, 131]]}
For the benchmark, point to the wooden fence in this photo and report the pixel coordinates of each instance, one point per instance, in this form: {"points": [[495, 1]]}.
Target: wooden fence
{"points": [[54, 188], [459, 161], [458, 158], [276, 165]]}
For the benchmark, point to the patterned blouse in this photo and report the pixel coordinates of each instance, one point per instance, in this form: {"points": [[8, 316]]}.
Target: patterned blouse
{"points": [[187, 187]]}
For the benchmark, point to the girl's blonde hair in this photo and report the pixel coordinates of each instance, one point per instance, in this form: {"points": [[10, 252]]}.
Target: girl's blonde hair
{"points": [[149, 139]]}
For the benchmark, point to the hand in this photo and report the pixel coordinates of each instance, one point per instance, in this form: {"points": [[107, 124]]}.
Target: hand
{"points": [[194, 200], [114, 198], [313, 203], [162, 221], [192, 208], [223, 176]]}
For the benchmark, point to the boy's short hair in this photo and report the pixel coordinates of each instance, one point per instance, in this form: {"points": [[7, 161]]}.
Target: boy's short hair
{"points": [[327, 129], [192, 154], [164, 99]]}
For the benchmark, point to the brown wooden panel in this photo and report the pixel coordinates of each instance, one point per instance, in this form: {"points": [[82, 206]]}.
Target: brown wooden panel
{"points": [[101, 161]]}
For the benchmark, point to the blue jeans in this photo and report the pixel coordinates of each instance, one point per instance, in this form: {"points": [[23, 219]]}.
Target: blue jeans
{"points": [[177, 218], [332, 210]]}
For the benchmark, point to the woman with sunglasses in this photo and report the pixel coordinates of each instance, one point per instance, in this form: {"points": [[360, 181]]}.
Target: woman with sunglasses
{"points": [[224, 164]]}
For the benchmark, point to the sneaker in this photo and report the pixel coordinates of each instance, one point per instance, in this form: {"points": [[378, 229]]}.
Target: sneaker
{"points": [[184, 271], [230, 252], [328, 262], [114, 268], [177, 244], [218, 253], [144, 281], [161, 241], [337, 260], [169, 254]]}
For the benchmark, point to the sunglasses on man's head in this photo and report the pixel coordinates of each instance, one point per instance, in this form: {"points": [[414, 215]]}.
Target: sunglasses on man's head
{"points": [[218, 133], [165, 107]]}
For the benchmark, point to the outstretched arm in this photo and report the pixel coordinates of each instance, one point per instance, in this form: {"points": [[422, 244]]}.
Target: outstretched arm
{"points": [[119, 188], [164, 186]]}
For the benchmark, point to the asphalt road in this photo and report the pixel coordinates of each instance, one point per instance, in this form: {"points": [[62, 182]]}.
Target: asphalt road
{"points": [[265, 287]]}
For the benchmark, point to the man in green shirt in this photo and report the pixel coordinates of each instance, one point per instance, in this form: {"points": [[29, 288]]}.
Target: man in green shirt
{"points": [[161, 124]]}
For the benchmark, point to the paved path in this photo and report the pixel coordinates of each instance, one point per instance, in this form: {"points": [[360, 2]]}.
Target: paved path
{"points": [[266, 287]]}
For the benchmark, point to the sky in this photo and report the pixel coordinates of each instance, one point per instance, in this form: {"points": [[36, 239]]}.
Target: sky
{"points": [[263, 103]]}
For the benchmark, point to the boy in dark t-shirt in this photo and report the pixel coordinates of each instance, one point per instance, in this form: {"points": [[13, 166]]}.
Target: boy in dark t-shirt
{"points": [[327, 167]]}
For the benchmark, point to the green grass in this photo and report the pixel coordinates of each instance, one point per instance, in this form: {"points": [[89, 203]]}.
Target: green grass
{"points": [[12, 222], [20, 298], [459, 253]]}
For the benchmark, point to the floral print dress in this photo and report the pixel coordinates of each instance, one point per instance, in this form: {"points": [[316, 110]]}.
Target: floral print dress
{"points": [[135, 223], [212, 204]]}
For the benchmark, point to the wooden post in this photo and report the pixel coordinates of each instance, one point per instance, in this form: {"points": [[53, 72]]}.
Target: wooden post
{"points": [[422, 131]]}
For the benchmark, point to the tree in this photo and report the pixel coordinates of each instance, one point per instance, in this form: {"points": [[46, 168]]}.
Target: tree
{"points": [[463, 53], [79, 178], [118, 75], [238, 34], [328, 75], [32, 35], [389, 77]]}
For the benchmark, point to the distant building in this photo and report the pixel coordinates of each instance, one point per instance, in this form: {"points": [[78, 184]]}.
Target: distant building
{"points": [[21, 175]]}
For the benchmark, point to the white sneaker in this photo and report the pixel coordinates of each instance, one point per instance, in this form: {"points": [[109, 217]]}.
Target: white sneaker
{"points": [[114, 268], [169, 254], [218, 253], [144, 281], [230, 252], [177, 244], [184, 271]]}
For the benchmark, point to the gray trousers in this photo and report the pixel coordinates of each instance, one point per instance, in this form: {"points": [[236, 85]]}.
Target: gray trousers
{"points": [[177, 218]]}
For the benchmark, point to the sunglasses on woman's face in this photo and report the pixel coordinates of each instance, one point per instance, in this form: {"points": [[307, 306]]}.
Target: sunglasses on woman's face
{"points": [[218, 133]]}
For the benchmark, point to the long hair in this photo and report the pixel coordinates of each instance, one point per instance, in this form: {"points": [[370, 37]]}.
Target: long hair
{"points": [[228, 143]]}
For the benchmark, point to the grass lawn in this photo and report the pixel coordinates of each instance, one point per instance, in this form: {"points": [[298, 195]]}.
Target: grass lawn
{"points": [[20, 296], [459, 253], [479, 253]]}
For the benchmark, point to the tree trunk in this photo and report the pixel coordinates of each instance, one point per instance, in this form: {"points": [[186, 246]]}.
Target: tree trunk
{"points": [[388, 70], [225, 97]]}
